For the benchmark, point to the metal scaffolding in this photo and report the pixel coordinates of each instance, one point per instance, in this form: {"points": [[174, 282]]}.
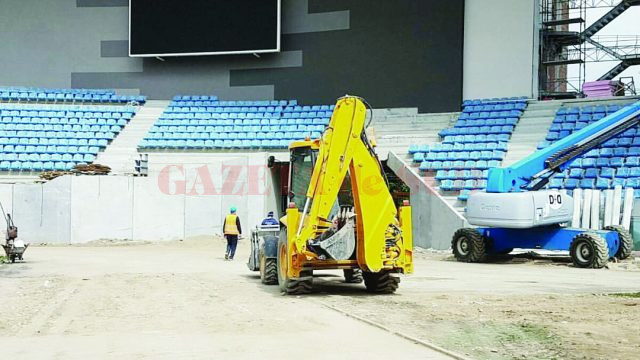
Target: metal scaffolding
{"points": [[567, 41]]}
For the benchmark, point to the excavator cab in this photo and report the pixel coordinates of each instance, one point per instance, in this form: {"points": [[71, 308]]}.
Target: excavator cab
{"points": [[340, 213], [302, 159]]}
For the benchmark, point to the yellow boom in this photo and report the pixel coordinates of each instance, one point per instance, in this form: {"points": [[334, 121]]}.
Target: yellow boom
{"points": [[383, 233]]}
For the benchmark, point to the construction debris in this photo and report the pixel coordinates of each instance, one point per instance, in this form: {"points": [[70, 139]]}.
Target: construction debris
{"points": [[80, 169], [91, 169], [50, 175]]}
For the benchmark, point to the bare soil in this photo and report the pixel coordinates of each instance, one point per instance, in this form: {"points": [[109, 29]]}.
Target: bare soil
{"points": [[113, 299]]}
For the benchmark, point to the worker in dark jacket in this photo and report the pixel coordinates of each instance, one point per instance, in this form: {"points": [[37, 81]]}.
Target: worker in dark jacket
{"points": [[232, 229], [270, 220]]}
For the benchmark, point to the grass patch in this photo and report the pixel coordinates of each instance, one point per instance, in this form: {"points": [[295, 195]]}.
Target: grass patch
{"points": [[497, 341], [3, 259], [626, 295]]}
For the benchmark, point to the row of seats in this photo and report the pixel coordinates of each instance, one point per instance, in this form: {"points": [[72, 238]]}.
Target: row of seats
{"points": [[223, 116], [241, 122], [45, 141], [505, 100], [214, 144], [459, 155], [290, 135], [594, 183], [457, 185], [632, 170], [616, 161], [113, 112], [19, 123], [246, 115], [67, 95], [66, 134], [48, 149], [446, 147], [214, 124], [458, 165], [58, 90], [195, 98], [487, 122], [462, 174], [481, 130], [236, 128], [482, 109], [579, 118], [212, 100], [66, 157], [469, 139], [599, 109], [248, 109], [28, 166]]}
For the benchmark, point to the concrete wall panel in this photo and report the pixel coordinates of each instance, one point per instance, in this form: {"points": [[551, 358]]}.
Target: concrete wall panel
{"points": [[102, 208], [156, 216]]}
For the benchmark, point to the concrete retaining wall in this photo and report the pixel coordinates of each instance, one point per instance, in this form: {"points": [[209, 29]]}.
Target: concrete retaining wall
{"points": [[434, 220], [181, 201]]}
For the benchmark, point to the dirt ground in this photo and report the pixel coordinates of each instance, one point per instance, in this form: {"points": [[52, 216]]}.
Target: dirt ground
{"points": [[182, 300]]}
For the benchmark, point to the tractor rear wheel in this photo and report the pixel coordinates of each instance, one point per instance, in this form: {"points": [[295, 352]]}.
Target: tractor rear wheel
{"points": [[268, 270], [469, 245], [589, 250], [301, 285], [626, 241], [353, 276], [383, 282]]}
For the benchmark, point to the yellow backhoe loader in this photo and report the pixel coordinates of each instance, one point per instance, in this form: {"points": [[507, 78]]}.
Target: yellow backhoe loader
{"points": [[365, 234]]}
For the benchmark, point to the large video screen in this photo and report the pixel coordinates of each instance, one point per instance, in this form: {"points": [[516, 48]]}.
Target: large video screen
{"points": [[203, 27]]}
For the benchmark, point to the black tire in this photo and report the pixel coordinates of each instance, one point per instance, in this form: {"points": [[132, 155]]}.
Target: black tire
{"points": [[469, 246], [291, 286], [268, 270], [13, 258], [626, 241], [383, 282], [353, 276], [589, 250]]}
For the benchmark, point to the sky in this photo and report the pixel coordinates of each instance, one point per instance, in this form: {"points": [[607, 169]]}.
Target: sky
{"points": [[626, 24]]}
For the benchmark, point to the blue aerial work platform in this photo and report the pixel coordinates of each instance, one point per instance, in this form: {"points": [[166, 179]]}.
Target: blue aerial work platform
{"points": [[516, 212]]}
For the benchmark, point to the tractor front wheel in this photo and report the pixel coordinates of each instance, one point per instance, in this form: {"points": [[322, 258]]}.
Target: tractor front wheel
{"points": [[297, 286], [268, 270]]}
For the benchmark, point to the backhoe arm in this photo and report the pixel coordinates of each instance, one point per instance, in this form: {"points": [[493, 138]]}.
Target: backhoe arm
{"points": [[383, 239]]}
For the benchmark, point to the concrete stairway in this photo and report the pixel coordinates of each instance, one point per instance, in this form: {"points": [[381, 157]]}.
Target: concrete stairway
{"points": [[531, 129], [396, 129], [123, 150]]}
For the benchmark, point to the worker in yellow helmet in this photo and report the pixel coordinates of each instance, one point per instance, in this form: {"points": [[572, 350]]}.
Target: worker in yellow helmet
{"points": [[232, 230]]}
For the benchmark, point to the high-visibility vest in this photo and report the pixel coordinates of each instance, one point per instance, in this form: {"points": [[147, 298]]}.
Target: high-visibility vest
{"points": [[230, 227]]}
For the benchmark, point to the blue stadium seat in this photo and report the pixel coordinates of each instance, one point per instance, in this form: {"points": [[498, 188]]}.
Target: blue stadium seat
{"points": [[608, 173], [576, 173], [632, 183], [556, 183], [587, 183], [464, 195]]}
